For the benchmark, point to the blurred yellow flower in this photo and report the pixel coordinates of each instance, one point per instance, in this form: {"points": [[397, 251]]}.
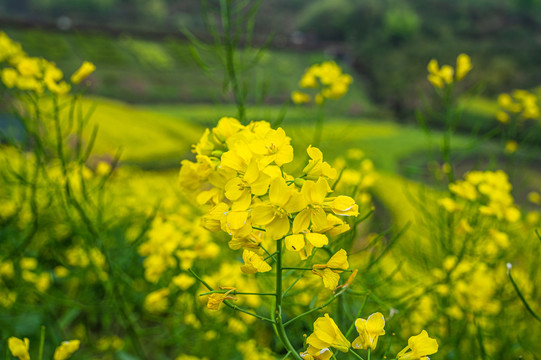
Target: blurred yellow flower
{"points": [[253, 263], [83, 72], [66, 349], [19, 348]]}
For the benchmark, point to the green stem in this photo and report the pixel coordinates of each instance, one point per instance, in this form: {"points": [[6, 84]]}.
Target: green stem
{"points": [[41, 343], [278, 325], [357, 355], [368, 353], [310, 269], [227, 303], [268, 253], [358, 316], [519, 293], [236, 293], [326, 303]]}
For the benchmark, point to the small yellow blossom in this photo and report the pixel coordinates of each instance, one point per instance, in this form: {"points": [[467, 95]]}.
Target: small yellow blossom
{"points": [[420, 346], [83, 72], [216, 299], [330, 271], [19, 348], [299, 97], [326, 334], [369, 330], [253, 263], [66, 349]]}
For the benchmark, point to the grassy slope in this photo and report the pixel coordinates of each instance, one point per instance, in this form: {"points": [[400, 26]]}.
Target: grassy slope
{"points": [[142, 136]]}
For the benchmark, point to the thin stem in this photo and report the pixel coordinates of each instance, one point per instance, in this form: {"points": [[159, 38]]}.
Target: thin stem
{"points": [[310, 269], [236, 293], [268, 253], [358, 316], [41, 343], [270, 256], [311, 310], [368, 353], [278, 326], [227, 303], [357, 355], [293, 284], [288, 353]]}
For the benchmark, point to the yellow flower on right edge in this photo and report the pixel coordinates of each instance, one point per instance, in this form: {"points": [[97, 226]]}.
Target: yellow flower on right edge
{"points": [[439, 77]]}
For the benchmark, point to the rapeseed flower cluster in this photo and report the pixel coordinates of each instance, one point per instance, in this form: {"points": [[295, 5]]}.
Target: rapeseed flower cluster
{"points": [[26, 73], [520, 103], [490, 190], [239, 174], [447, 75], [327, 78]]}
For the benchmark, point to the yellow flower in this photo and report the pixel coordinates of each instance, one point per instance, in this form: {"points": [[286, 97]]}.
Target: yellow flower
{"points": [[83, 72], [344, 206], [66, 349], [216, 299], [511, 146], [9, 77], [253, 263], [420, 345], [299, 97], [157, 301], [19, 348], [313, 353], [274, 213], [305, 242], [314, 196], [463, 66], [369, 331], [316, 167], [326, 334], [329, 272]]}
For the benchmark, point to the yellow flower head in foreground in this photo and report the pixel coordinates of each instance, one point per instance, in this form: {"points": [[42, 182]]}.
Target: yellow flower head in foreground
{"points": [[369, 331], [327, 334], [253, 263], [216, 299], [66, 349], [420, 345], [330, 271], [19, 348], [83, 72]]}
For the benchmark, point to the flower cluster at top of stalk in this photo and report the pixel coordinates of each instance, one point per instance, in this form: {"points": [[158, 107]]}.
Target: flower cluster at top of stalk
{"points": [[239, 172], [521, 103], [446, 75], [490, 190], [34, 74], [327, 78], [20, 349], [327, 335]]}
